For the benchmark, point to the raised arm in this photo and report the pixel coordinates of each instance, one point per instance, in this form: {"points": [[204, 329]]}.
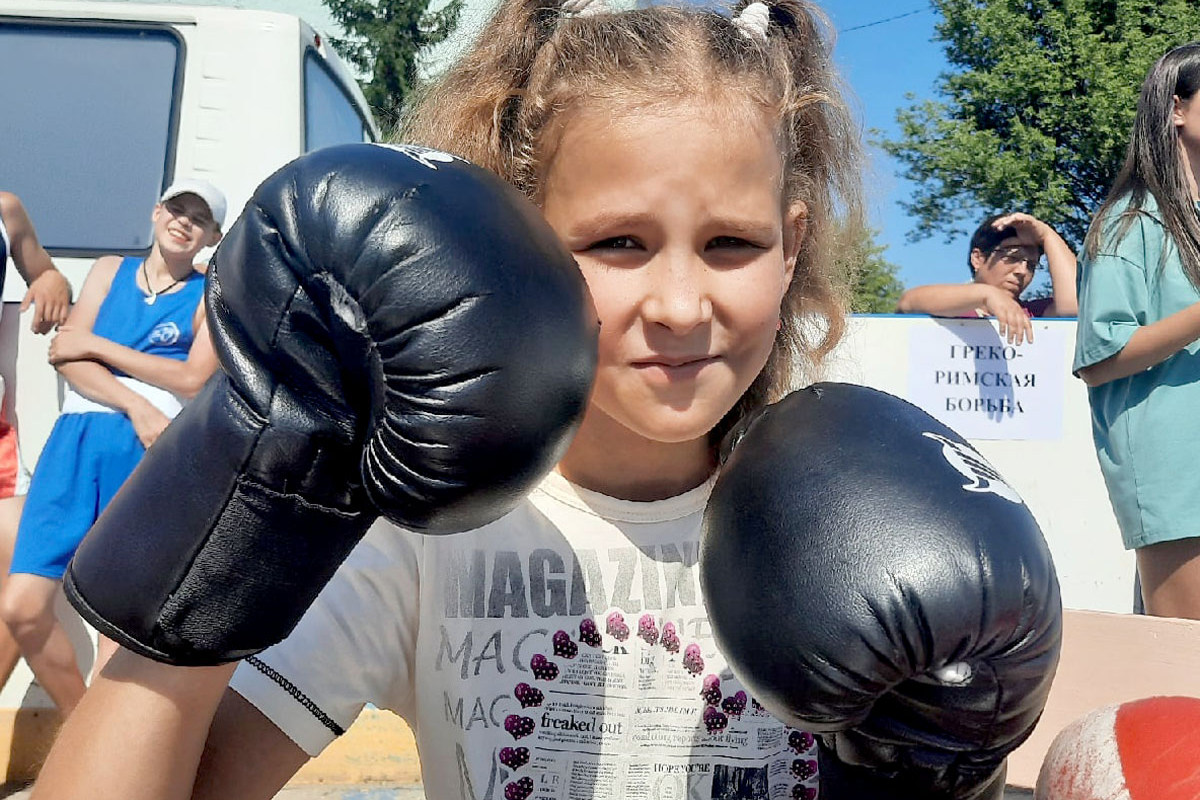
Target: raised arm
{"points": [[245, 757], [151, 731], [298, 454], [1060, 262], [48, 292], [138, 733], [183, 378]]}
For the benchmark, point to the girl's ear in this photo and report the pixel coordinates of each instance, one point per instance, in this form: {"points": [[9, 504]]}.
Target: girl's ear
{"points": [[1177, 111], [795, 227], [214, 238]]}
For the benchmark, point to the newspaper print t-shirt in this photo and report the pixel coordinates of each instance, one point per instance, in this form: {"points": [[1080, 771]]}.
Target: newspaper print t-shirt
{"points": [[561, 652]]}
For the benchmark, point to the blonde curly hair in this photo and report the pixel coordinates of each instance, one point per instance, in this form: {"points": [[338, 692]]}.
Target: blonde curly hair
{"points": [[504, 103]]}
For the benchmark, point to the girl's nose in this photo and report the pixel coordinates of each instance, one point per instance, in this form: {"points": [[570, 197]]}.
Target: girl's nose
{"points": [[676, 296]]}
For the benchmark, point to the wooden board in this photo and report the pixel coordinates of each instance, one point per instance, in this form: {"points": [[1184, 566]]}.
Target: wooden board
{"points": [[378, 748], [1106, 659]]}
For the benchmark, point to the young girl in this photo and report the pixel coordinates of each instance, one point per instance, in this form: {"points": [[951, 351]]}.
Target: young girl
{"points": [[694, 165], [1139, 321], [133, 345]]}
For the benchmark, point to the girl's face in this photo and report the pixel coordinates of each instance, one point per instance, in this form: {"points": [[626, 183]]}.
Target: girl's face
{"points": [[677, 223]]}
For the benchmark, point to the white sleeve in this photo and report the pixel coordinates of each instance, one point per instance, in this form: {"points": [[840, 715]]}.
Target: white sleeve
{"points": [[354, 646]]}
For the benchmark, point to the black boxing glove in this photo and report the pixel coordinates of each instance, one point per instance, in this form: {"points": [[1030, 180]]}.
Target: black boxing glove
{"points": [[401, 333], [872, 579]]}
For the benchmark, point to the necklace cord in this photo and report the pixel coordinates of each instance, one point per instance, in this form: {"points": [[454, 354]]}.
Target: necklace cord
{"points": [[153, 294]]}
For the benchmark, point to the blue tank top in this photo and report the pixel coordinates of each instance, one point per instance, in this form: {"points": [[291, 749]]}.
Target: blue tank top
{"points": [[163, 328]]}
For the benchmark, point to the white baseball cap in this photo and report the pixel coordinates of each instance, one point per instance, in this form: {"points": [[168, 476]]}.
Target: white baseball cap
{"points": [[211, 195]]}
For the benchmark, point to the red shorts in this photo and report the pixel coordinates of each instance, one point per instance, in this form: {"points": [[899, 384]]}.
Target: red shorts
{"points": [[13, 478]]}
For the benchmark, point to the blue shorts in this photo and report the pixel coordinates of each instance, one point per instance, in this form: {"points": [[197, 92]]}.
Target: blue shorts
{"points": [[85, 461]]}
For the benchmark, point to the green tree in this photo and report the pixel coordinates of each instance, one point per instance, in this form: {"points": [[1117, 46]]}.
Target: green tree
{"points": [[1035, 112], [875, 289], [384, 40]]}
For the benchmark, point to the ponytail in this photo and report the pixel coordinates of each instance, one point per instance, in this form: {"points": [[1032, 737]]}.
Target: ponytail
{"points": [[470, 112]]}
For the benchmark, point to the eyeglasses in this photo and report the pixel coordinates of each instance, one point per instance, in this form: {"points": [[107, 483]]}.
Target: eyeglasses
{"points": [[198, 218], [1015, 255]]}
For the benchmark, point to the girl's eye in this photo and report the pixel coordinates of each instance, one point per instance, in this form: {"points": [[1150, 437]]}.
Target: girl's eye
{"points": [[728, 242], [615, 243]]}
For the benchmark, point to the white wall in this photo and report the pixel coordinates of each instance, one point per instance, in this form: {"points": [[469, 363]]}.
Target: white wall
{"points": [[1059, 478]]}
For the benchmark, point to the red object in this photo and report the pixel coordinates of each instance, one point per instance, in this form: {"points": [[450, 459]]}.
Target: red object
{"points": [[1141, 750], [10, 465]]}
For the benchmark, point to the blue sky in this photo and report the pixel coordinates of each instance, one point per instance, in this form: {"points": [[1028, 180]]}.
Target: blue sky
{"points": [[883, 58]]}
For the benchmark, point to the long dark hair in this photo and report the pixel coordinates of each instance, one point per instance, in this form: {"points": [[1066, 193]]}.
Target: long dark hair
{"points": [[1153, 164]]}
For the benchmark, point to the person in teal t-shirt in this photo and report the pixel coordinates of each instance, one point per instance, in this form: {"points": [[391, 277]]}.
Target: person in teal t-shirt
{"points": [[1138, 347]]}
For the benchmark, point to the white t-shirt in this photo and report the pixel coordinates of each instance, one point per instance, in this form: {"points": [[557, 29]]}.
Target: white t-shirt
{"points": [[560, 652]]}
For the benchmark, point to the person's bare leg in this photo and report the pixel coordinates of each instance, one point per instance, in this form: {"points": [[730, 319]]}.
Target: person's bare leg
{"points": [[1170, 573], [105, 647], [10, 517], [27, 606]]}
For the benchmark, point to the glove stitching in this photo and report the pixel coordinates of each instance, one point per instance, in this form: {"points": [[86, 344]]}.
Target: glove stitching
{"points": [[247, 481], [299, 696]]}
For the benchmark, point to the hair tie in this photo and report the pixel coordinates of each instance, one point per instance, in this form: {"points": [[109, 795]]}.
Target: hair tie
{"points": [[583, 8], [589, 8], [753, 20]]}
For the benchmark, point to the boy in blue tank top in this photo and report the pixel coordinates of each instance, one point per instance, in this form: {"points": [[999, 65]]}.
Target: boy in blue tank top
{"points": [[134, 348]]}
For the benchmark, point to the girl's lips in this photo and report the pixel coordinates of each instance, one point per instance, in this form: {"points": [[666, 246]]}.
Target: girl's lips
{"points": [[672, 361], [674, 369]]}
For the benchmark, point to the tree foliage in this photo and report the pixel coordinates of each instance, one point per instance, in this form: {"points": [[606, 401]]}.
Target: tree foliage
{"points": [[875, 289], [384, 40], [1035, 112]]}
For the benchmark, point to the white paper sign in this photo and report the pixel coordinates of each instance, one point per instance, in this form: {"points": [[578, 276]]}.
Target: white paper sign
{"points": [[968, 377]]}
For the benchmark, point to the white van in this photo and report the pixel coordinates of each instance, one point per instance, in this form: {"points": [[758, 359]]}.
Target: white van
{"points": [[103, 104]]}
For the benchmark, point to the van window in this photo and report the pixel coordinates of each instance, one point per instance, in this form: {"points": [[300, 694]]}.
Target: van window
{"points": [[87, 121], [329, 115]]}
